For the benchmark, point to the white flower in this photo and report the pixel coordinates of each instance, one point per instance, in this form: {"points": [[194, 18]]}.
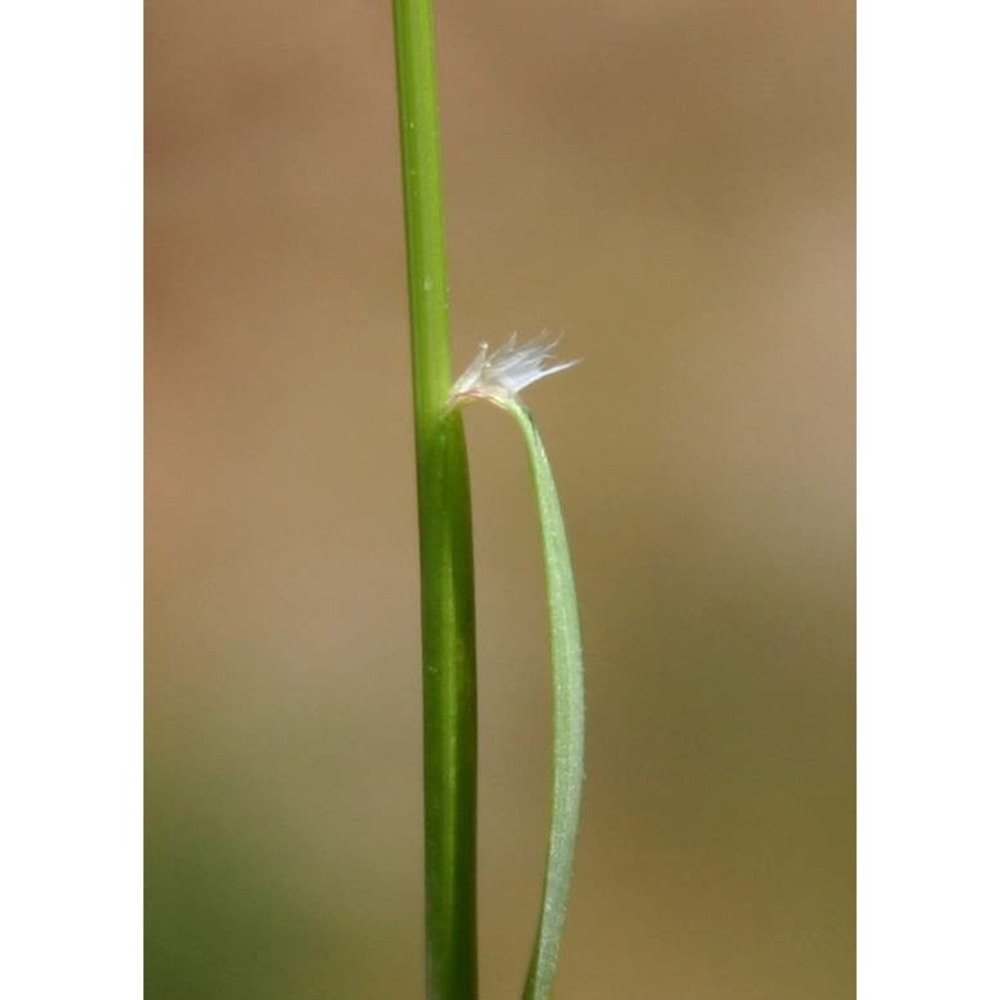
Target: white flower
{"points": [[502, 375]]}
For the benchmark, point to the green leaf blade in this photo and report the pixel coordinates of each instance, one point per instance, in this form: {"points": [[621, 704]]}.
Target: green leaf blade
{"points": [[567, 707]]}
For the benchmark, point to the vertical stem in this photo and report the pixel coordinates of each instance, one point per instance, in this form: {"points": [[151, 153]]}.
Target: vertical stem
{"points": [[446, 572]]}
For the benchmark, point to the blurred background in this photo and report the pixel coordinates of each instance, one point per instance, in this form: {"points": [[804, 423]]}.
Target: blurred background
{"points": [[670, 185]]}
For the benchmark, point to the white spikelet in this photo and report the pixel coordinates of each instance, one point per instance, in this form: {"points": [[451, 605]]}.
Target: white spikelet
{"points": [[502, 375]]}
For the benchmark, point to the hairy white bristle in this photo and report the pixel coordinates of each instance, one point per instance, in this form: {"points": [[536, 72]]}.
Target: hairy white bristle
{"points": [[509, 370]]}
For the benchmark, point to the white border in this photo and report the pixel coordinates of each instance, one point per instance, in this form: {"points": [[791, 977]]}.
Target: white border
{"points": [[929, 613], [70, 568]]}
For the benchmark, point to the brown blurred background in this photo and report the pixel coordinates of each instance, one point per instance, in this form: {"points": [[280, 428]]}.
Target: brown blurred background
{"points": [[668, 183]]}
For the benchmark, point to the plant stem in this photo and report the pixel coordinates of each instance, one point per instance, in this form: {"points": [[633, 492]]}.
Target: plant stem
{"points": [[445, 524]]}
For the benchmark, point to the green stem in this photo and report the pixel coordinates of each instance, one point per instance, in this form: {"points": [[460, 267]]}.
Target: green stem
{"points": [[446, 571]]}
